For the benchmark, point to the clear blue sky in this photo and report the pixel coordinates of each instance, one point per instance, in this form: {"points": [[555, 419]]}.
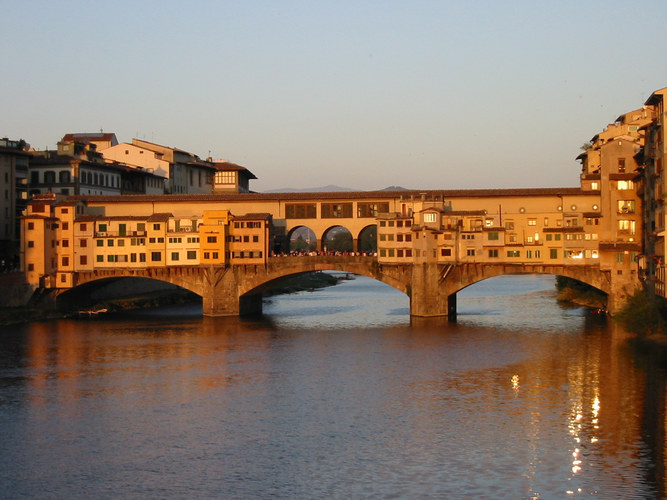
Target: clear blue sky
{"points": [[362, 94]]}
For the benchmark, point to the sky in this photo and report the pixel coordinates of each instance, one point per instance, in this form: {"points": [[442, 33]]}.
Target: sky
{"points": [[359, 94]]}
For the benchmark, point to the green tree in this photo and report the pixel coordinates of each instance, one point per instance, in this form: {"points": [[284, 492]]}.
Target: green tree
{"points": [[642, 314]]}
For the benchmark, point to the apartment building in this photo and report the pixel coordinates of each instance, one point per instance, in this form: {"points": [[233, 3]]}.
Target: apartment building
{"points": [[59, 240]]}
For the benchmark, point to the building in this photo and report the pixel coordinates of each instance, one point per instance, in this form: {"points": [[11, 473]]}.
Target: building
{"points": [[74, 168], [101, 140], [61, 239], [653, 187], [14, 165], [231, 178], [185, 172]]}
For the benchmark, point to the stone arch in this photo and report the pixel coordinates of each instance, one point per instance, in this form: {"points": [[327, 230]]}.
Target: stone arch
{"points": [[338, 239], [302, 239], [106, 288], [292, 266], [367, 239], [456, 278]]}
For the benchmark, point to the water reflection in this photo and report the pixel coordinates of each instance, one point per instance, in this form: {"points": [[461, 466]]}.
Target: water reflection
{"points": [[334, 404]]}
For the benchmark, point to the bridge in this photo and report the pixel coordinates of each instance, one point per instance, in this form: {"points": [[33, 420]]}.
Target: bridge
{"points": [[428, 244], [432, 288]]}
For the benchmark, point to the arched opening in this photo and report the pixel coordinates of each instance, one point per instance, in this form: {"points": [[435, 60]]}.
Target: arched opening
{"points": [[517, 290], [124, 293], [302, 239], [367, 240], [337, 239]]}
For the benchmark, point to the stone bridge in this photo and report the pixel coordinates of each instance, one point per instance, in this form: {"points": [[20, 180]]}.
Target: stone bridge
{"points": [[432, 288]]}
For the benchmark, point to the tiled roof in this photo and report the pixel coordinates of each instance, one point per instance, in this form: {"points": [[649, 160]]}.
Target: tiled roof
{"points": [[342, 195], [255, 216], [160, 217], [86, 137]]}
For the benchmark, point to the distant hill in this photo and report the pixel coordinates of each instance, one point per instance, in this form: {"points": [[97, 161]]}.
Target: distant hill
{"points": [[328, 189]]}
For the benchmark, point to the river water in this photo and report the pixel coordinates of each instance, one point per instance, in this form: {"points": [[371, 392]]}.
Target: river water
{"points": [[335, 394]]}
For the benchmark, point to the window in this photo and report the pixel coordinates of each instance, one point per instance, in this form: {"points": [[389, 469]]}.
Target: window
{"points": [[31, 244], [493, 253], [509, 225], [156, 227], [110, 243], [446, 252], [625, 185], [620, 257], [255, 239], [532, 222], [514, 253], [31, 225], [83, 227], [65, 226], [595, 186], [102, 228], [192, 254], [100, 258], [336, 210], [83, 260], [174, 255], [83, 243], [300, 211], [100, 243], [626, 226], [212, 239], [429, 217], [493, 236], [470, 252], [65, 243], [553, 253], [371, 209], [156, 256], [621, 165], [626, 206]]}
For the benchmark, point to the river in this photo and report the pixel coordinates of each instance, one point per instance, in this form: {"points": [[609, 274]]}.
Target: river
{"points": [[335, 393]]}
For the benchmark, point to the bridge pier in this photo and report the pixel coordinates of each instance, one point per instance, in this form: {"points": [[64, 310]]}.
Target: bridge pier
{"points": [[427, 297]]}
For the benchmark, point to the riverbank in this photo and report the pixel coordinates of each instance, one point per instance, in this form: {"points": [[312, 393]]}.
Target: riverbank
{"points": [[578, 293]]}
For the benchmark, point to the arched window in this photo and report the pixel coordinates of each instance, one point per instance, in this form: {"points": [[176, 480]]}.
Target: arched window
{"points": [[49, 177], [64, 177]]}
